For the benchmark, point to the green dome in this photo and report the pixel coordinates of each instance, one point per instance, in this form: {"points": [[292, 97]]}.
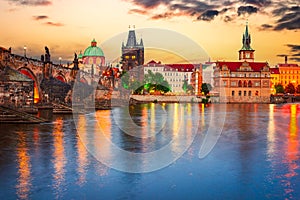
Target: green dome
{"points": [[80, 56], [93, 51]]}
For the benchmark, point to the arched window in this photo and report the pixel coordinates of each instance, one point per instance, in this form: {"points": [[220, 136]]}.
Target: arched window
{"points": [[249, 94], [245, 83], [249, 83], [245, 93], [256, 93], [240, 83], [240, 93], [232, 93]]}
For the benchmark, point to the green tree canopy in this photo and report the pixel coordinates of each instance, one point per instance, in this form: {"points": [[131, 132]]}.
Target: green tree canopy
{"points": [[279, 88], [206, 88], [156, 82]]}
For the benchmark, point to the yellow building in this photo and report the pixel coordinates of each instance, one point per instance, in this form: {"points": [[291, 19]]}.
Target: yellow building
{"points": [[275, 78], [289, 73]]}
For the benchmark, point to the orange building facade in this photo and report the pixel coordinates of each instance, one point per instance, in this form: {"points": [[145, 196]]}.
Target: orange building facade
{"points": [[243, 80]]}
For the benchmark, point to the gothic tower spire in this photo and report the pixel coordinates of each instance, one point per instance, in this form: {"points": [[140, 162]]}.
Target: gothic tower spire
{"points": [[246, 53]]}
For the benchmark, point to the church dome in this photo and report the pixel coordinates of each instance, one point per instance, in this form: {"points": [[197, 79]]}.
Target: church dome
{"points": [[93, 50]]}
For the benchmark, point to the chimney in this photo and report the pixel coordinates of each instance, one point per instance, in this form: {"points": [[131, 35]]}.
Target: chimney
{"points": [[285, 59]]}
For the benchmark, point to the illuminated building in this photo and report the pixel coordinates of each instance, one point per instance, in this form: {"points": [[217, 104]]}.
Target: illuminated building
{"points": [[289, 73], [132, 52], [243, 80], [275, 78], [175, 74]]}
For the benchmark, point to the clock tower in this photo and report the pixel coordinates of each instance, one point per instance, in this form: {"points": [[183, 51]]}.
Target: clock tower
{"points": [[246, 53]]}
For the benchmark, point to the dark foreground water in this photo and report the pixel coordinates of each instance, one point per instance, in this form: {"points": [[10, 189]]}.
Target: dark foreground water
{"points": [[256, 157]]}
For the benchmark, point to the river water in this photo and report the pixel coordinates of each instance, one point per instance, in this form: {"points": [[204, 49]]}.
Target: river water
{"points": [[257, 155]]}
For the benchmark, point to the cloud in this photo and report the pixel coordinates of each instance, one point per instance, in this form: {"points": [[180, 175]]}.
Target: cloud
{"points": [[289, 21], [266, 27], [31, 2], [295, 52], [258, 3], [208, 15], [294, 47], [138, 11], [40, 17], [242, 10], [54, 24], [283, 14]]}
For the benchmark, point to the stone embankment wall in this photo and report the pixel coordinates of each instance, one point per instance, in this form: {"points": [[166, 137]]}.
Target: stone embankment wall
{"points": [[165, 99]]}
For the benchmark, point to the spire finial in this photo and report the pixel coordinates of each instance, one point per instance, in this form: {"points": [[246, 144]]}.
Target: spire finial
{"points": [[129, 26]]}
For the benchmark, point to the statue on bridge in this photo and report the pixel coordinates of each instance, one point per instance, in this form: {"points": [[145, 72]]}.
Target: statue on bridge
{"points": [[47, 55], [47, 63]]}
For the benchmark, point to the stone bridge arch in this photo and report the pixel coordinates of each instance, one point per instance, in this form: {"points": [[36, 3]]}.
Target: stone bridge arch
{"points": [[61, 77], [37, 90]]}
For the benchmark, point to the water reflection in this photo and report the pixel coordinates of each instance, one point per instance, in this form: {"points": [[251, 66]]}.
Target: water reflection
{"points": [[82, 160], [59, 160], [291, 151], [24, 175]]}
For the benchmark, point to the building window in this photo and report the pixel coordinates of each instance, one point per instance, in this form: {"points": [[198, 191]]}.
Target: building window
{"points": [[245, 93], [233, 83], [133, 57], [240, 93], [232, 93], [249, 83], [245, 83], [240, 83], [249, 93], [256, 93]]}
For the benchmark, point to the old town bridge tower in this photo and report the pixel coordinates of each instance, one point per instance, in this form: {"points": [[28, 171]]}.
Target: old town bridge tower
{"points": [[132, 52]]}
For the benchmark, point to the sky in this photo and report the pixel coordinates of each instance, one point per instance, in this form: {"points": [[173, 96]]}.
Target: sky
{"points": [[217, 26]]}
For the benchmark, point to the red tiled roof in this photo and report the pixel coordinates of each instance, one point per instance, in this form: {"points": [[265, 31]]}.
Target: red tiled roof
{"points": [[182, 67], [274, 71], [288, 65], [153, 62], [233, 66]]}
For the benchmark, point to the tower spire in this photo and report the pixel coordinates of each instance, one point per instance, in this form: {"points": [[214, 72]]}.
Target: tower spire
{"points": [[246, 52]]}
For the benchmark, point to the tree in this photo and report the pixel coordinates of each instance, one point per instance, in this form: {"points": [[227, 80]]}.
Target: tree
{"points": [[290, 88], [298, 89], [156, 82], [205, 88], [279, 88], [185, 86]]}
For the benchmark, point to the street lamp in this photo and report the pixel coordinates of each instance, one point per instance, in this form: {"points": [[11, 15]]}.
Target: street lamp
{"points": [[25, 51], [59, 61]]}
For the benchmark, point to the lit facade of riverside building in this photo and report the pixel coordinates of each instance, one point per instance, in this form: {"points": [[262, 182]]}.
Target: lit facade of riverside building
{"points": [[175, 74], [244, 80]]}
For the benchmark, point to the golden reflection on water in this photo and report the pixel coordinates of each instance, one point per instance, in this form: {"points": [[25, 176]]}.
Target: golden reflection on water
{"points": [[271, 131], [59, 159], [82, 160], [152, 120], [292, 144], [24, 176], [292, 148], [103, 119], [176, 119]]}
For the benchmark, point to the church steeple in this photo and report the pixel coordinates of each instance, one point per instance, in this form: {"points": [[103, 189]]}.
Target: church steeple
{"points": [[246, 53]]}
